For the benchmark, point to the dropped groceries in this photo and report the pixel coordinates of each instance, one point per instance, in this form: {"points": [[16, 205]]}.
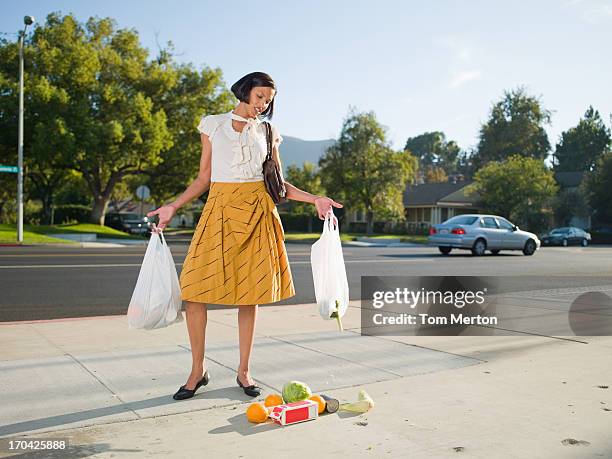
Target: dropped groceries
{"points": [[329, 272], [298, 404]]}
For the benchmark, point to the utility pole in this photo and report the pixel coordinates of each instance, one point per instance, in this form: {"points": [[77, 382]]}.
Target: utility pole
{"points": [[27, 20]]}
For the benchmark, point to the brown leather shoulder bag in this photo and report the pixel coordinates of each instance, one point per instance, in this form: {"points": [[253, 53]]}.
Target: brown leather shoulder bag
{"points": [[271, 172]]}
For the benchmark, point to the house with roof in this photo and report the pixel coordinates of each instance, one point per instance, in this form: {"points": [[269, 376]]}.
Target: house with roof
{"points": [[427, 204]]}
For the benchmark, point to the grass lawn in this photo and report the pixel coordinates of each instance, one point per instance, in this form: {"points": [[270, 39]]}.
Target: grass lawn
{"points": [[41, 234], [8, 235]]}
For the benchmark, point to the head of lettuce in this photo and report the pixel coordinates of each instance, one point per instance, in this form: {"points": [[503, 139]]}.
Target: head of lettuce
{"points": [[295, 391]]}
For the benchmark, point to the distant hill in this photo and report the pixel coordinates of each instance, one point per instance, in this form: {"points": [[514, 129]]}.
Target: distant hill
{"points": [[296, 151]]}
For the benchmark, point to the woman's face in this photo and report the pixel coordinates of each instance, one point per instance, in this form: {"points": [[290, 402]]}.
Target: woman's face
{"points": [[261, 96]]}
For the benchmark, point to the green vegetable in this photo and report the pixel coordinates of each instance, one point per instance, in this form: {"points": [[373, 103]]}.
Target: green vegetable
{"points": [[294, 391], [336, 315], [363, 404]]}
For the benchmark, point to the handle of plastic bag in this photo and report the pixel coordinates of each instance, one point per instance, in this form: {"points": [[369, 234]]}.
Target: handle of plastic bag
{"points": [[161, 234], [328, 224]]}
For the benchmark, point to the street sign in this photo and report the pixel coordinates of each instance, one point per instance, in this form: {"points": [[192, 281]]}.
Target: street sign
{"points": [[14, 169], [143, 192]]}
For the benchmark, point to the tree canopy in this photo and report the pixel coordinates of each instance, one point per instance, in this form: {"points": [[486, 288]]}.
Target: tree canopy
{"points": [[434, 152], [97, 104], [515, 127], [520, 189], [581, 146], [363, 170], [598, 186]]}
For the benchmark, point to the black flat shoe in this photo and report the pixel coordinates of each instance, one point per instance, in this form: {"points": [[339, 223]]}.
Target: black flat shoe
{"points": [[252, 390], [184, 393]]}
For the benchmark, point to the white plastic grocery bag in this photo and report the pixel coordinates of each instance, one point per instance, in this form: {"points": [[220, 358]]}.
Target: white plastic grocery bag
{"points": [[156, 301], [329, 272]]}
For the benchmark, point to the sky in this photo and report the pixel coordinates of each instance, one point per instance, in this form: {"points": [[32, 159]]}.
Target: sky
{"points": [[419, 66]]}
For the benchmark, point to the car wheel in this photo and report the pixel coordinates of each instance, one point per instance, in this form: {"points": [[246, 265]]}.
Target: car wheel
{"points": [[584, 243], [564, 242], [445, 250], [530, 247], [479, 247], [495, 252]]}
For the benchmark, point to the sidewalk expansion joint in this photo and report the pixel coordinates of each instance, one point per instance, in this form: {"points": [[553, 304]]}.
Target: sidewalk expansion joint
{"points": [[560, 338], [127, 405], [334, 356], [420, 347]]}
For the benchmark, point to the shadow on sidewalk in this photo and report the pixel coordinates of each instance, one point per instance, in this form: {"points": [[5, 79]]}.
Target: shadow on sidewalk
{"points": [[240, 424], [75, 451], [128, 408]]}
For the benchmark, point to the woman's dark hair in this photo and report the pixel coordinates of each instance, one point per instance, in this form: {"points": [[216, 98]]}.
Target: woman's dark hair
{"points": [[242, 89]]}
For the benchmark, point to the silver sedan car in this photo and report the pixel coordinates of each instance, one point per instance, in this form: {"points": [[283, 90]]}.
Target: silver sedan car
{"points": [[479, 233]]}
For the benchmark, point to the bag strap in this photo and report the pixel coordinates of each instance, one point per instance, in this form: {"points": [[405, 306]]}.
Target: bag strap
{"points": [[268, 139]]}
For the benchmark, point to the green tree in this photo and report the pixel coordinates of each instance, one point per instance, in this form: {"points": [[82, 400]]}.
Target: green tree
{"points": [[305, 178], [515, 127], [193, 95], [569, 203], [465, 163], [433, 150], [435, 174], [91, 107], [581, 146], [598, 186], [363, 170], [44, 170], [520, 189]]}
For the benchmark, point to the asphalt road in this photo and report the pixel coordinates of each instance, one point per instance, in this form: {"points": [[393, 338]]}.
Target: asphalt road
{"points": [[59, 282]]}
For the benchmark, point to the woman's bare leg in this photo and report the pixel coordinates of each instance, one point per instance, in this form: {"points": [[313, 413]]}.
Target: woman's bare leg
{"points": [[197, 315], [247, 316]]}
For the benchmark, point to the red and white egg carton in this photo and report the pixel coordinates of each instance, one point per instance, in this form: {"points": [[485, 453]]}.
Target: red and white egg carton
{"points": [[292, 413]]}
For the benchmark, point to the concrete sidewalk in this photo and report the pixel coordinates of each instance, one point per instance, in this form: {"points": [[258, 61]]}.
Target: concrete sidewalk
{"points": [[108, 390]]}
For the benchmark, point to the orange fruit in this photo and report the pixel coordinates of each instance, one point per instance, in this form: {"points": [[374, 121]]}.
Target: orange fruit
{"points": [[274, 400], [257, 412], [320, 400]]}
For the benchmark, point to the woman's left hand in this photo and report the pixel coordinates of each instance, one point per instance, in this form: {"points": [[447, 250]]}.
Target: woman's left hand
{"points": [[324, 205]]}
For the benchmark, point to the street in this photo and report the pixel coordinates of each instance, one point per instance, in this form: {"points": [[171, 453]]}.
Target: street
{"points": [[55, 282]]}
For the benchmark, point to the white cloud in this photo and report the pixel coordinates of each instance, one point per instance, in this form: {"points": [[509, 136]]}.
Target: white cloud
{"points": [[461, 62], [597, 13], [591, 11], [463, 77]]}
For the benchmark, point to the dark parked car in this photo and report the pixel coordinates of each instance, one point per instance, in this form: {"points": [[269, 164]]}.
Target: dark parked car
{"points": [[129, 223], [567, 235]]}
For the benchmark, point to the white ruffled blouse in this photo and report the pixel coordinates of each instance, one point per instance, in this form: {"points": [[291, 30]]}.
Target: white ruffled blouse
{"points": [[236, 156]]}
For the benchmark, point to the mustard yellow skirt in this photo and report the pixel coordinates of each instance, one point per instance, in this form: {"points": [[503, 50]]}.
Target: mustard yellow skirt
{"points": [[237, 255]]}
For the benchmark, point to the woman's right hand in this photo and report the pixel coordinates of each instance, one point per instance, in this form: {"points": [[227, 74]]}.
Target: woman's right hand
{"points": [[165, 214]]}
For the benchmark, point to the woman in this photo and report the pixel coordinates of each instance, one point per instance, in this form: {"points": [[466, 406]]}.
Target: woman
{"points": [[237, 254]]}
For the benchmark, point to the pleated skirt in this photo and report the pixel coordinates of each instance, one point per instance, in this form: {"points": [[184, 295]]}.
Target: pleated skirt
{"points": [[237, 255]]}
